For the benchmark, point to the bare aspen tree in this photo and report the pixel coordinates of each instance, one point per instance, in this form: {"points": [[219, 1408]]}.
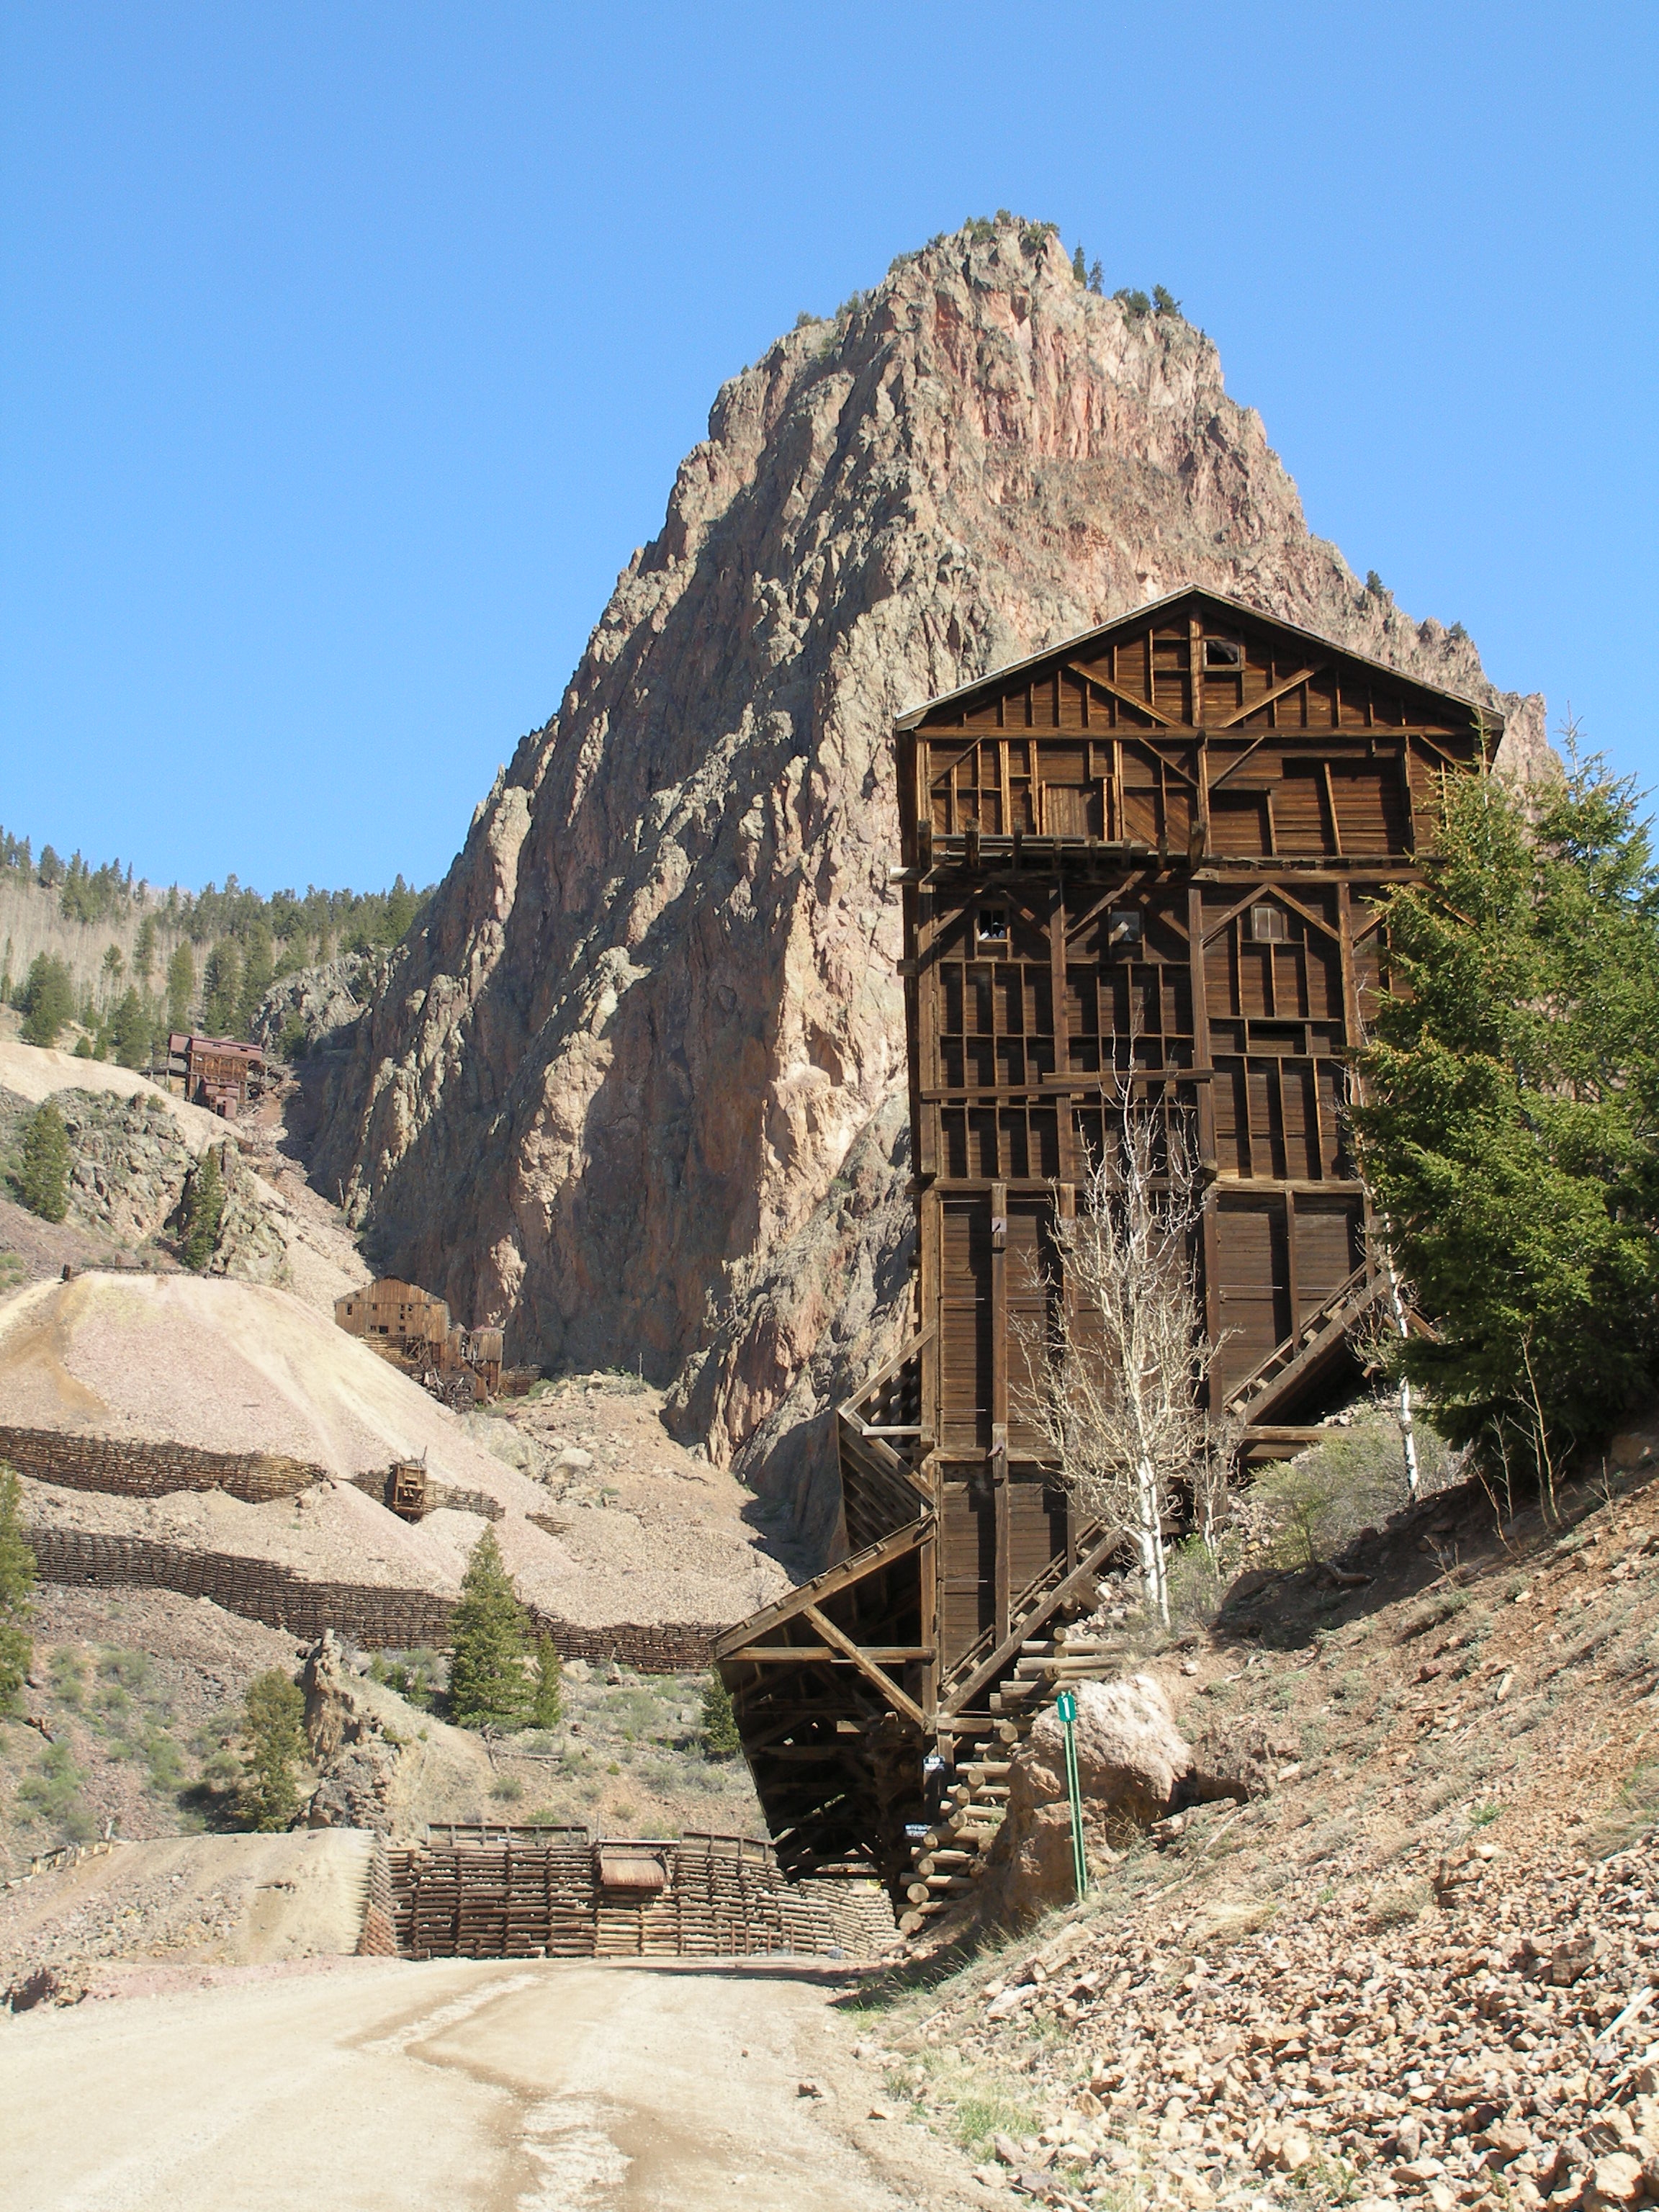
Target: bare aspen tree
{"points": [[1117, 1369]]}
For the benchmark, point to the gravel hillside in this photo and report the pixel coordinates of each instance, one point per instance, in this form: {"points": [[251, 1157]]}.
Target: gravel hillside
{"points": [[1423, 1966]]}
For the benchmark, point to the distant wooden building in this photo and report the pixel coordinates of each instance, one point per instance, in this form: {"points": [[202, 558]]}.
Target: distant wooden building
{"points": [[216, 1072], [453, 1361], [1150, 854]]}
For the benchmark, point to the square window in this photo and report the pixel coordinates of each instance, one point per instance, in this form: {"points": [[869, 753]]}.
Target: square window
{"points": [[1124, 928], [991, 927], [1222, 652], [1267, 925]]}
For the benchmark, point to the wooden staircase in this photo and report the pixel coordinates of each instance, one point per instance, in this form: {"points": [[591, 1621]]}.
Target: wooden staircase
{"points": [[975, 1760]]}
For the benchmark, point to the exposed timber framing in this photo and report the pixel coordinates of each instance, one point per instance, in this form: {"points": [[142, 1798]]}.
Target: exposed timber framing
{"points": [[1151, 855]]}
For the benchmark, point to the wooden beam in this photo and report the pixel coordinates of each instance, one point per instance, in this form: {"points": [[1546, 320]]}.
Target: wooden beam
{"points": [[1128, 698], [889, 1688], [1269, 698], [820, 1654], [799, 1602], [1062, 1035], [1233, 767]]}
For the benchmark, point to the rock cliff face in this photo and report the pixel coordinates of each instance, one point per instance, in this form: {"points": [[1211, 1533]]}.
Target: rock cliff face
{"points": [[632, 1087]]}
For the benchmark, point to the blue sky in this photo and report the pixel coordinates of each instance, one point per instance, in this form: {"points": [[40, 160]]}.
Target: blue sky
{"points": [[349, 350]]}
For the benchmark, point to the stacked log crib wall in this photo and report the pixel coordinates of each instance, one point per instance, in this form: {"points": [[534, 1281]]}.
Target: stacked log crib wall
{"points": [[542, 1892], [131, 1467], [378, 1618]]}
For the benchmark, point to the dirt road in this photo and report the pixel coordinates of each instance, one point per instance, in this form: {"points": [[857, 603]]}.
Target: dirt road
{"points": [[444, 2087]]}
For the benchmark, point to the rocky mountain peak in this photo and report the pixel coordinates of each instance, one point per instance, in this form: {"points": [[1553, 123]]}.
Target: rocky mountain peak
{"points": [[634, 1086]]}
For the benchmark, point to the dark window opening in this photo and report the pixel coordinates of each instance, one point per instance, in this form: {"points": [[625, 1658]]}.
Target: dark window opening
{"points": [[991, 926], [1222, 652]]}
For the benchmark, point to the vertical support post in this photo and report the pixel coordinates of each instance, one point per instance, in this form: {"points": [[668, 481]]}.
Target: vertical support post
{"points": [[999, 1462], [1062, 1033], [927, 1568], [1206, 1087]]}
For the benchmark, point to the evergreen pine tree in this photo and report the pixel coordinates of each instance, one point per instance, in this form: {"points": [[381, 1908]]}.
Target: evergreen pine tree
{"points": [[272, 1722], [130, 1031], [1079, 267], [48, 999], [205, 1203], [486, 1678], [43, 1182], [1511, 1097], [256, 975], [401, 907], [547, 1707], [17, 1585], [181, 985], [719, 1724], [144, 951], [221, 985]]}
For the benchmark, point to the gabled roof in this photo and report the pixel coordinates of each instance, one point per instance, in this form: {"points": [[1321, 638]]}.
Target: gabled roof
{"points": [[1231, 610]]}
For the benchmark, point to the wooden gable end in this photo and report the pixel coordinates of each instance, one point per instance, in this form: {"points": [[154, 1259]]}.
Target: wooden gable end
{"points": [[1198, 727]]}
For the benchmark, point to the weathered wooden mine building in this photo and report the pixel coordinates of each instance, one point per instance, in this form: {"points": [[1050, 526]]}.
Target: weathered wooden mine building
{"points": [[1150, 854], [220, 1073], [413, 1326]]}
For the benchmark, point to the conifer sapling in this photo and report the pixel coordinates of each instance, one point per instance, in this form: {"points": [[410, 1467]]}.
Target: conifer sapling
{"points": [[43, 1182], [487, 1682]]}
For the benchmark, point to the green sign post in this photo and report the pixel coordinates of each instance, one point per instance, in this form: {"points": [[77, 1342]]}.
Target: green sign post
{"points": [[1065, 1706]]}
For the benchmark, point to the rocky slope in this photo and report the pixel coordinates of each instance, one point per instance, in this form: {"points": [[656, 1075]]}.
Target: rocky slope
{"points": [[1415, 1958], [630, 1088], [134, 1148]]}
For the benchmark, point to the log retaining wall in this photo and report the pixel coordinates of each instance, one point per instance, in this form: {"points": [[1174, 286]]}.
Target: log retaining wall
{"points": [[379, 1617], [131, 1467], [533, 1895]]}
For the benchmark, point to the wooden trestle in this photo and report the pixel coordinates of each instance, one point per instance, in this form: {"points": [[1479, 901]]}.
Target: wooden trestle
{"points": [[1151, 857]]}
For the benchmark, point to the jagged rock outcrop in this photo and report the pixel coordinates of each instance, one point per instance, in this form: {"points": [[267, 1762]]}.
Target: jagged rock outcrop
{"points": [[613, 1084], [311, 1006], [131, 1166]]}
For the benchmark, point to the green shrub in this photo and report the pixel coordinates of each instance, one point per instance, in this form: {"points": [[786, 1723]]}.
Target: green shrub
{"points": [[51, 1795], [719, 1732], [16, 1589], [1300, 1511], [547, 1705]]}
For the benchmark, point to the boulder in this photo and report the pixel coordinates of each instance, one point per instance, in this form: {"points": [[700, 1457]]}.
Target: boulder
{"points": [[1132, 1758]]}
